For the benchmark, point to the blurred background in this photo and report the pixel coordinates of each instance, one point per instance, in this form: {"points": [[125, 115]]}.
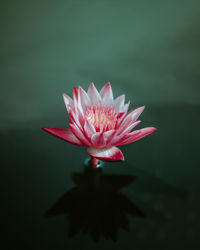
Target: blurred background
{"points": [[148, 50]]}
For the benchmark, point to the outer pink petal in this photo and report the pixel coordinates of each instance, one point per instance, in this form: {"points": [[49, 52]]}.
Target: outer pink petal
{"points": [[79, 134], [107, 94], [137, 135], [64, 134], [106, 154], [98, 140], [93, 94]]}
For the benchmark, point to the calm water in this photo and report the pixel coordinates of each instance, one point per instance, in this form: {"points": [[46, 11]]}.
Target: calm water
{"points": [[51, 200]]}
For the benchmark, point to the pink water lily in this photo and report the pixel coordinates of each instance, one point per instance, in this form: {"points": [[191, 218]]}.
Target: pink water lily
{"points": [[100, 122]]}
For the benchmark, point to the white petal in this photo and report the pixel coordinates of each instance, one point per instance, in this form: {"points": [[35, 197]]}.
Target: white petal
{"points": [[74, 118], [89, 129], [136, 113], [107, 95], [125, 107], [84, 100], [119, 103], [108, 136], [93, 94], [68, 101]]}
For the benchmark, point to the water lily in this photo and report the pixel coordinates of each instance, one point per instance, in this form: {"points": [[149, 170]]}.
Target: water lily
{"points": [[100, 122]]}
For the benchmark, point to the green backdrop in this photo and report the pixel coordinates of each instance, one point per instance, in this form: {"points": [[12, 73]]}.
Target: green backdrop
{"points": [[148, 50]]}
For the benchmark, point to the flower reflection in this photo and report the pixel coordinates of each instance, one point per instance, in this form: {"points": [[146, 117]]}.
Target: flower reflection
{"points": [[96, 205]]}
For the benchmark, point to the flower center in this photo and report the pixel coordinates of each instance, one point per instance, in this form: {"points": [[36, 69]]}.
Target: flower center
{"points": [[102, 118]]}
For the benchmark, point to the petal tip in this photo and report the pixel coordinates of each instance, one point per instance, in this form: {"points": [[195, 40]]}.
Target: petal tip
{"points": [[120, 156], [92, 85], [45, 128], [75, 90], [64, 96]]}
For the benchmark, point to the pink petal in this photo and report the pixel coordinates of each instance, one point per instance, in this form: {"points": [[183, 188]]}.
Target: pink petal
{"points": [[79, 134], [137, 135], [74, 118], [119, 139], [77, 108], [124, 113], [89, 129], [130, 127], [80, 117], [108, 135], [134, 114], [84, 100], [116, 139], [106, 154], [119, 103], [120, 118], [107, 94], [98, 140], [64, 134], [126, 106], [130, 118], [68, 101], [75, 96], [75, 100], [128, 123], [93, 94]]}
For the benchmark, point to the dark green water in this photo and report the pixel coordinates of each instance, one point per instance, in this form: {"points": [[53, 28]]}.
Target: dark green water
{"points": [[148, 50]]}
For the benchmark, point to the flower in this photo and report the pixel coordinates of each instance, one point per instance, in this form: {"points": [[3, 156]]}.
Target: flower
{"points": [[100, 122]]}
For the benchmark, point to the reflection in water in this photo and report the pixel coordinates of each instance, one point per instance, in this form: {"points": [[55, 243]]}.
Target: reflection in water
{"points": [[95, 205]]}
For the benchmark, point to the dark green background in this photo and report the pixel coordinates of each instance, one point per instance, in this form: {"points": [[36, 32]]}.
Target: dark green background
{"points": [[148, 50]]}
